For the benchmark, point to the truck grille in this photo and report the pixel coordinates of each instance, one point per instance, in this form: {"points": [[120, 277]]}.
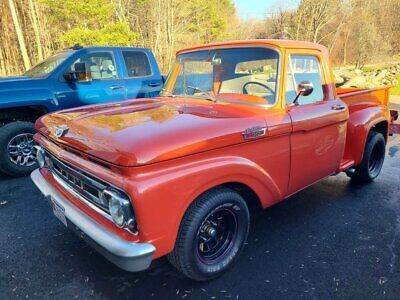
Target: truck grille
{"points": [[79, 182]]}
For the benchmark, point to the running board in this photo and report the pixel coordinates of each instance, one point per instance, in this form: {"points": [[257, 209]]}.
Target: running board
{"points": [[346, 164]]}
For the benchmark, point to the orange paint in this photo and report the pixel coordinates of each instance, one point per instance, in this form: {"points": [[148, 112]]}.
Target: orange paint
{"points": [[165, 152]]}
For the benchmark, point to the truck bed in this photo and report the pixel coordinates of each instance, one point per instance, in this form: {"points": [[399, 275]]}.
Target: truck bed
{"points": [[359, 98], [364, 104], [354, 97]]}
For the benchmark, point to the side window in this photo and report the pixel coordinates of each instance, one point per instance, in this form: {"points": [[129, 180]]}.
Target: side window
{"points": [[101, 65], [137, 63], [304, 68]]}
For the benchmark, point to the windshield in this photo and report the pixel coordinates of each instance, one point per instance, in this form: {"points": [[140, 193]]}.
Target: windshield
{"points": [[44, 68], [239, 74]]}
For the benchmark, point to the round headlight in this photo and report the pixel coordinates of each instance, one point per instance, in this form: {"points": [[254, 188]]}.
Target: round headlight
{"points": [[40, 157], [116, 211]]}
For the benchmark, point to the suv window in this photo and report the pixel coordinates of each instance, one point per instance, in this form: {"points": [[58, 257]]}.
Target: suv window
{"points": [[101, 65], [304, 68], [137, 63]]}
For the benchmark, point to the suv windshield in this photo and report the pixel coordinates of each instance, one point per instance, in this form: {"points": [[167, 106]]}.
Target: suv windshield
{"points": [[239, 74], [44, 68]]}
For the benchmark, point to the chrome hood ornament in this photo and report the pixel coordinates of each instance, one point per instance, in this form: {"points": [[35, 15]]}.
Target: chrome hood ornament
{"points": [[60, 131]]}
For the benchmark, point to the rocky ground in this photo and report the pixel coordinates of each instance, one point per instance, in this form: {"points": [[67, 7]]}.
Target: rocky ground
{"points": [[350, 77]]}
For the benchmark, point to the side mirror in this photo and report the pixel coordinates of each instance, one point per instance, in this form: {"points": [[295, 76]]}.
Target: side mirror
{"points": [[81, 73], [305, 88]]}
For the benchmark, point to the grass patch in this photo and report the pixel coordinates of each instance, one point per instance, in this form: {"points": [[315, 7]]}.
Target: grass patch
{"points": [[396, 90], [372, 68]]}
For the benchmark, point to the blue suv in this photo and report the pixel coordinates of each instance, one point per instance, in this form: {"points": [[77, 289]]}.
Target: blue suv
{"points": [[73, 77]]}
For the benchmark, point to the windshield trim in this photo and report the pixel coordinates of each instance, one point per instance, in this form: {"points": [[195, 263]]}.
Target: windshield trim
{"points": [[266, 46]]}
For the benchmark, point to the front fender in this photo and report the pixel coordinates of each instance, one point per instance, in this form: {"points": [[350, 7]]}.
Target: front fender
{"points": [[163, 196], [32, 94]]}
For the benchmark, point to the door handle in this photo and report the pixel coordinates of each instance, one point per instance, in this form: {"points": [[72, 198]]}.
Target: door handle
{"points": [[116, 87], [338, 106], [154, 84]]}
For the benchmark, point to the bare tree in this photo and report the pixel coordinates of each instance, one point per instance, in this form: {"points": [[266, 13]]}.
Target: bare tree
{"points": [[20, 36], [36, 30]]}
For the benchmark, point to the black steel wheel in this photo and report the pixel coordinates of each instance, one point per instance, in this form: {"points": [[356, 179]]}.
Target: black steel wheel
{"points": [[216, 235], [373, 158], [212, 234]]}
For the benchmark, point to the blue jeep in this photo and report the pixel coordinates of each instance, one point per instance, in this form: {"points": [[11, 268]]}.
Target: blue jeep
{"points": [[74, 77]]}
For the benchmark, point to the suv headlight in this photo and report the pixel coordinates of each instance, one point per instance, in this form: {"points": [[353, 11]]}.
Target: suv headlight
{"points": [[120, 209]]}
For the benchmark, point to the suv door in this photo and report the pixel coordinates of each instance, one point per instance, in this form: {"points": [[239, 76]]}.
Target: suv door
{"points": [[319, 122], [105, 85], [141, 78]]}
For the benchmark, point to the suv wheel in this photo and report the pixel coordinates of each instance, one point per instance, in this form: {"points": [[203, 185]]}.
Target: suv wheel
{"points": [[17, 152], [212, 234]]}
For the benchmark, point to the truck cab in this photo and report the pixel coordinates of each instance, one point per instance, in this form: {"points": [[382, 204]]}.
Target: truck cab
{"points": [[74, 77]]}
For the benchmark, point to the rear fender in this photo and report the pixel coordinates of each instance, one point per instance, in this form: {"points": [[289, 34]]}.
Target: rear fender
{"points": [[359, 125]]}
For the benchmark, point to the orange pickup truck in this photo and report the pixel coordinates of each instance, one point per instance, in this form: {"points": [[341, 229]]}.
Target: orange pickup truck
{"points": [[237, 124]]}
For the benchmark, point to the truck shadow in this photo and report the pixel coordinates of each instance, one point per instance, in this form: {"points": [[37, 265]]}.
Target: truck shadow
{"points": [[283, 240]]}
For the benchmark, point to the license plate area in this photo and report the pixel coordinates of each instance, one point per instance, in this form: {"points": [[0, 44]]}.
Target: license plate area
{"points": [[58, 211]]}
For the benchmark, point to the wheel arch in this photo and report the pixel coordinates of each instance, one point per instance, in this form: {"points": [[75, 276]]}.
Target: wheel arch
{"points": [[257, 195], [381, 127], [188, 183], [22, 113], [360, 124]]}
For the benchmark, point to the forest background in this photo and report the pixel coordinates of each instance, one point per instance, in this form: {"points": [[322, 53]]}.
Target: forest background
{"points": [[362, 34]]}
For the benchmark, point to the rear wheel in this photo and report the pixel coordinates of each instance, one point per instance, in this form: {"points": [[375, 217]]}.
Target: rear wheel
{"points": [[212, 234], [373, 158], [17, 152]]}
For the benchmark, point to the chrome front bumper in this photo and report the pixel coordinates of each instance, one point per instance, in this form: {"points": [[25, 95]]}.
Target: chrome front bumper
{"points": [[126, 255]]}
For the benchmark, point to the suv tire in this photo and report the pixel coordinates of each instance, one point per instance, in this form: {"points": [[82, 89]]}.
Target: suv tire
{"points": [[17, 155]]}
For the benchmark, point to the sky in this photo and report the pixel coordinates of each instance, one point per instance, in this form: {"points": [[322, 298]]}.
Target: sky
{"points": [[248, 9]]}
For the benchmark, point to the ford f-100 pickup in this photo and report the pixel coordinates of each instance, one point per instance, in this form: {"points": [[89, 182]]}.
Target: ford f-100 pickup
{"points": [[237, 124]]}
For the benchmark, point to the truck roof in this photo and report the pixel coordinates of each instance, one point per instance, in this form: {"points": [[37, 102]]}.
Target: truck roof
{"points": [[272, 42], [78, 48]]}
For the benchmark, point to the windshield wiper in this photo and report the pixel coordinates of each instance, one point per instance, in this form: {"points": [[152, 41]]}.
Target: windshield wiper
{"points": [[205, 93]]}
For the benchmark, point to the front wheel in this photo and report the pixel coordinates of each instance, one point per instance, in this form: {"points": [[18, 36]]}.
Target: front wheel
{"points": [[373, 158], [17, 152], [212, 234]]}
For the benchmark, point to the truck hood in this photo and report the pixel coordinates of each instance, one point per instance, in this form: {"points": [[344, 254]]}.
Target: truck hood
{"points": [[145, 131]]}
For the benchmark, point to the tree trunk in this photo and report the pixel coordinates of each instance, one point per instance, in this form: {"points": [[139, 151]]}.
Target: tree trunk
{"points": [[20, 36], [36, 30]]}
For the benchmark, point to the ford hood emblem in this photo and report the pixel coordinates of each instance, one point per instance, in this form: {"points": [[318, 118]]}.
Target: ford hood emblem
{"points": [[60, 131]]}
